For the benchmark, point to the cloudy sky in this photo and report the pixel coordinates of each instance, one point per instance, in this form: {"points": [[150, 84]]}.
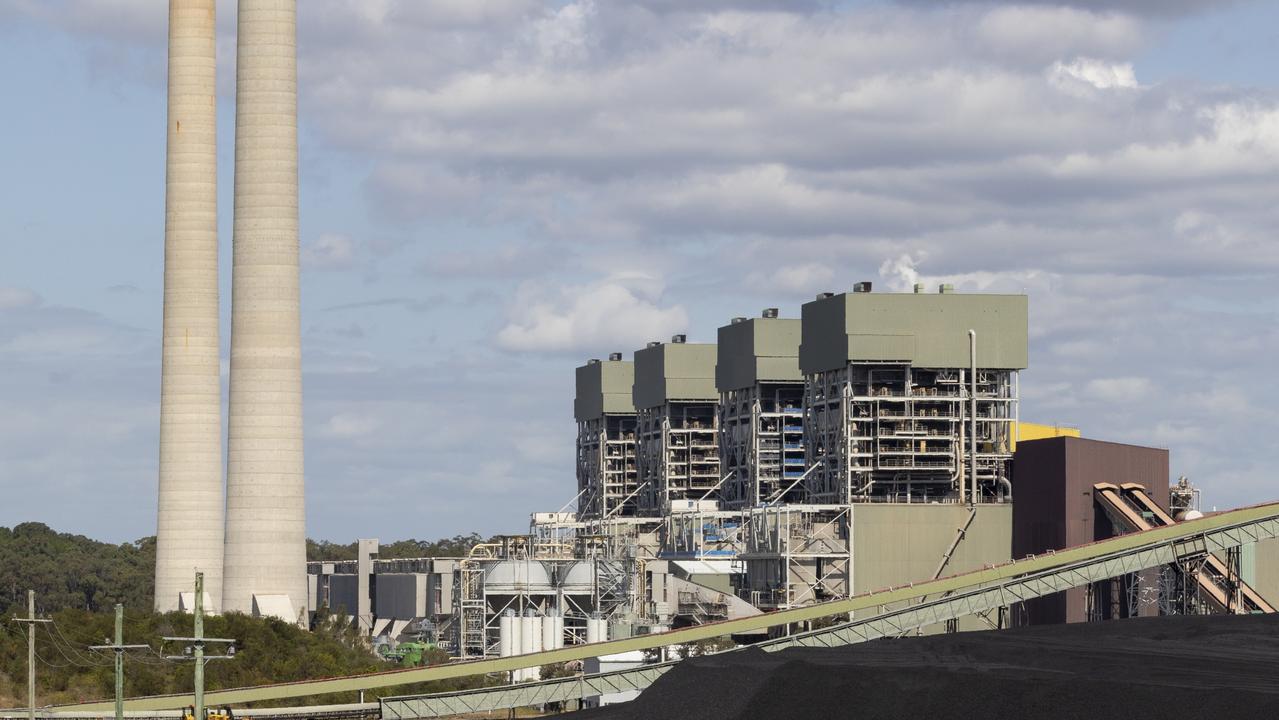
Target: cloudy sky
{"points": [[494, 191]]}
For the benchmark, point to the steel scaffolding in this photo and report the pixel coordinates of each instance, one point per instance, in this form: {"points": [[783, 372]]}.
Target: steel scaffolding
{"points": [[678, 453], [761, 439], [607, 473], [892, 432]]}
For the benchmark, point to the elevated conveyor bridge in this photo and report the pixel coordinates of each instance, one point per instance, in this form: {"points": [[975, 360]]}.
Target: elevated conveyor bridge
{"points": [[1131, 509], [882, 613]]}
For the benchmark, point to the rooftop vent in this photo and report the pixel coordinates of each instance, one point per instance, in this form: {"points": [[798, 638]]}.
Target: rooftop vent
{"points": [[614, 356], [825, 295], [654, 343], [679, 339], [946, 288], [739, 320], [919, 288], [862, 287], [770, 312], [593, 361]]}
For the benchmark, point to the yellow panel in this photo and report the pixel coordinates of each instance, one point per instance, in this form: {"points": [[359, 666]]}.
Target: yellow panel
{"points": [[1035, 431]]}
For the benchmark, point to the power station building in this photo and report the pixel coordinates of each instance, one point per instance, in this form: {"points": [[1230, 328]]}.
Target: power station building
{"points": [[677, 428], [796, 460], [607, 471], [761, 410], [911, 397], [873, 442]]}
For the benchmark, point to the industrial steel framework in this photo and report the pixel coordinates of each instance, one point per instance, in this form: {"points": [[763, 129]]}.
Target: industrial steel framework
{"points": [[797, 555], [892, 432], [890, 611], [678, 453], [607, 474], [761, 440]]}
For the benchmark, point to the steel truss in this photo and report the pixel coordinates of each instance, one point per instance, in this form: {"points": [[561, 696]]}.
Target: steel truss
{"points": [[525, 694]]}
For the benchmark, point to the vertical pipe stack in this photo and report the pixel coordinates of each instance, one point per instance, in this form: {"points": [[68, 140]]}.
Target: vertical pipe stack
{"points": [[265, 513], [189, 524]]}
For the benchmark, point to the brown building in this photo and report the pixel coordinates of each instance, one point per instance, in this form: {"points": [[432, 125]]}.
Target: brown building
{"points": [[1054, 508]]}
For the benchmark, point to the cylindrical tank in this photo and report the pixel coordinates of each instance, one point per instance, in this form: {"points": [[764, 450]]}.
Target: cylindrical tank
{"points": [[535, 629], [190, 524], [265, 499], [550, 640], [526, 634], [506, 634], [596, 630]]}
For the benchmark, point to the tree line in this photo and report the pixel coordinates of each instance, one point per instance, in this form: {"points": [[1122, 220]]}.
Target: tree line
{"points": [[78, 581]]}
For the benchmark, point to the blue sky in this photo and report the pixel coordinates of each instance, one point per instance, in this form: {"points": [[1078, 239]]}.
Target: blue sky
{"points": [[493, 192]]}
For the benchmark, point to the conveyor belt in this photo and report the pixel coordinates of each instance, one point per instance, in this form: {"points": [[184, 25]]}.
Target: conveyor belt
{"points": [[959, 595], [1128, 506]]}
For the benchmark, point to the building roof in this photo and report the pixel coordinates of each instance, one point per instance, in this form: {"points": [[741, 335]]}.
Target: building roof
{"points": [[754, 350], [674, 372], [923, 329]]}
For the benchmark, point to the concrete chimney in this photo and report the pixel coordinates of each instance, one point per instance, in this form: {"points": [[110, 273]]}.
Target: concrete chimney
{"points": [[189, 525], [265, 570]]}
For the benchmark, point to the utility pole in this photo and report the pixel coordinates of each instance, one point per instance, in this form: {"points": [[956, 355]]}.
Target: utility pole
{"points": [[119, 647], [195, 651], [31, 620]]}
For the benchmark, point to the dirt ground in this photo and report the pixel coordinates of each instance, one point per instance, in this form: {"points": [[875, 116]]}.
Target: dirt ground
{"points": [[1167, 668]]}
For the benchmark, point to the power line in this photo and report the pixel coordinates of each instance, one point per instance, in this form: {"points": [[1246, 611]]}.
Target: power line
{"points": [[65, 656], [88, 659], [64, 647]]}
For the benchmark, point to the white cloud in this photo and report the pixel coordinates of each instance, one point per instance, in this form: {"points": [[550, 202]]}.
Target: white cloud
{"points": [[1119, 389], [1157, 8], [1095, 73], [618, 312], [798, 280], [14, 297]]}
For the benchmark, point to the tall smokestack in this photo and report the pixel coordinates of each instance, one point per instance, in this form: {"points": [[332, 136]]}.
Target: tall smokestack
{"points": [[265, 570], [189, 527]]}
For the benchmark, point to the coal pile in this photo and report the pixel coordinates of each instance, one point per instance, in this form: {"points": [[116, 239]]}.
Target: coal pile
{"points": [[1167, 668]]}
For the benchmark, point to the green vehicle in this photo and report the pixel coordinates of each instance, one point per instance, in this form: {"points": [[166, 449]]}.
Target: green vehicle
{"points": [[410, 654]]}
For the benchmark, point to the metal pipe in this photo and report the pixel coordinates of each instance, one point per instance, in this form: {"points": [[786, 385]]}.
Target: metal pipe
{"points": [[959, 459], [972, 412]]}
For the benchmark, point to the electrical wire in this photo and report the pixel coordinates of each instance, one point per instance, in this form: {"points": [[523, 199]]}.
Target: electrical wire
{"points": [[107, 657], [50, 663], [92, 653], [20, 637], [79, 660]]}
